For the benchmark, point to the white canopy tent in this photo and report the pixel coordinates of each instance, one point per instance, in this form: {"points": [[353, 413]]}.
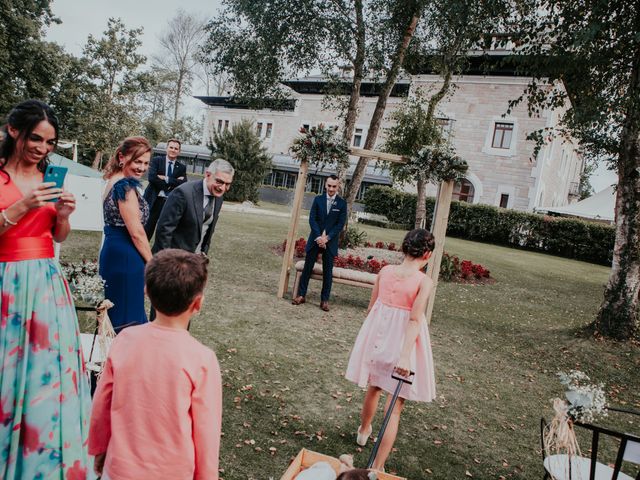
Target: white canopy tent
{"points": [[87, 185], [600, 207]]}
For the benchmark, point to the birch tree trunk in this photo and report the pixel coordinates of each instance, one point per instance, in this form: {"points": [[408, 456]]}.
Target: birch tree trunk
{"points": [[378, 113], [619, 314], [354, 98]]}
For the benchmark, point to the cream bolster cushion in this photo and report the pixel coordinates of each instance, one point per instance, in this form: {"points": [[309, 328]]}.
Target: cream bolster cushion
{"points": [[344, 273]]}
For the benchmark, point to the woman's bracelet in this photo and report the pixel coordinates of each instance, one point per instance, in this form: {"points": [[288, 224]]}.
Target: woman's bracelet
{"points": [[7, 222]]}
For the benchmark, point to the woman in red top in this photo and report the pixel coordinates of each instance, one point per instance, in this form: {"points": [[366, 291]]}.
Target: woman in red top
{"points": [[44, 395]]}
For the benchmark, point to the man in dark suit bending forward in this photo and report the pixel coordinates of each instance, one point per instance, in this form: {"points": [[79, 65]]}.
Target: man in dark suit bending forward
{"points": [[327, 218], [189, 216]]}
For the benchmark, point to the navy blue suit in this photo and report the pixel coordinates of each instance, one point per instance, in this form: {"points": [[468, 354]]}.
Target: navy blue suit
{"points": [[178, 176], [331, 223]]}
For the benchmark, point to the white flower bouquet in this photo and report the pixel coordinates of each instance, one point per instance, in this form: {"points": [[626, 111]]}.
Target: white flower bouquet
{"points": [[586, 401], [85, 282]]}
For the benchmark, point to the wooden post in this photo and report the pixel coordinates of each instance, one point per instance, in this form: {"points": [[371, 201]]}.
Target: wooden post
{"points": [[287, 260], [441, 218]]}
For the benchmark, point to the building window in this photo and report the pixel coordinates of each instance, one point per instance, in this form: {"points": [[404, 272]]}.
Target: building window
{"points": [[502, 135], [267, 133], [504, 200], [259, 129], [362, 190], [290, 180], [306, 126], [268, 179], [219, 125], [357, 137], [314, 184], [226, 125], [463, 191]]}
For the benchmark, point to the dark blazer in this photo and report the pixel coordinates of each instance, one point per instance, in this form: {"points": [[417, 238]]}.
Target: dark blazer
{"points": [[332, 223], [157, 166], [180, 223]]}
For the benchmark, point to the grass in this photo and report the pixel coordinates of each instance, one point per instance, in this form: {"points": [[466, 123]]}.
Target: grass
{"points": [[496, 350]]}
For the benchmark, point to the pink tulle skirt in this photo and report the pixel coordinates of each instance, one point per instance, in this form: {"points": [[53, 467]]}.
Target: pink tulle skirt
{"points": [[377, 351]]}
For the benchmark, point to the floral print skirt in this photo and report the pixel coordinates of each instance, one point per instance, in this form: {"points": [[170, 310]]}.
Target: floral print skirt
{"points": [[44, 393]]}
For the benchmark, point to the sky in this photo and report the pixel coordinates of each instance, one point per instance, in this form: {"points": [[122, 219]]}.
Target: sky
{"points": [[83, 17]]}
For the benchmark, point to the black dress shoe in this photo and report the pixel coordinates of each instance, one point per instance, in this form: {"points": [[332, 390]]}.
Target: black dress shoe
{"points": [[324, 306]]}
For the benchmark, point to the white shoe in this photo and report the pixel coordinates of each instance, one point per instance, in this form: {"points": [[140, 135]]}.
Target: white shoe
{"points": [[362, 438]]}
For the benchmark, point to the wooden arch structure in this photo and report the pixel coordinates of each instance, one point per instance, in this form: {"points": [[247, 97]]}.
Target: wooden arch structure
{"points": [[441, 216]]}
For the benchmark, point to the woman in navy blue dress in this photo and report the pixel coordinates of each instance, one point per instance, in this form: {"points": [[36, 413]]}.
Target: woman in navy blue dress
{"points": [[126, 249]]}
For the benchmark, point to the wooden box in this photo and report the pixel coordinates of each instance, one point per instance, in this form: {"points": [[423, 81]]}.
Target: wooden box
{"points": [[306, 458]]}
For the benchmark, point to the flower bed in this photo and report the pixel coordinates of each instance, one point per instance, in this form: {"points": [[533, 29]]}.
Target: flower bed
{"points": [[376, 255]]}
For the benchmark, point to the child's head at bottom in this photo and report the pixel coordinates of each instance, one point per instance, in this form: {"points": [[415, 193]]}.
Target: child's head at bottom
{"points": [[175, 280], [357, 474], [418, 243]]}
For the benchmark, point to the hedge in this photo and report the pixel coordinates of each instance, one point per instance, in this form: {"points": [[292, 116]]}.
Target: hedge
{"points": [[565, 237]]}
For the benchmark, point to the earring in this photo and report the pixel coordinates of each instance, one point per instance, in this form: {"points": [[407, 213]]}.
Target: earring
{"points": [[121, 164]]}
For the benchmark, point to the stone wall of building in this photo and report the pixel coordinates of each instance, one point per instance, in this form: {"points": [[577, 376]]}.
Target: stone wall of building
{"points": [[507, 176]]}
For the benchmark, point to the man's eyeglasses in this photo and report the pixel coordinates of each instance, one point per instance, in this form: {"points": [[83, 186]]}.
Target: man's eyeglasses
{"points": [[221, 182]]}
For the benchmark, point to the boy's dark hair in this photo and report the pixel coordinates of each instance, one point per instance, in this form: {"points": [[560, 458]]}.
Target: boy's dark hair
{"points": [[174, 140], [417, 242], [174, 278], [355, 474], [333, 177]]}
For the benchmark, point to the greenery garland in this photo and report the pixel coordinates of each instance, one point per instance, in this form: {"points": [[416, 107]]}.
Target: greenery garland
{"points": [[320, 146], [438, 163]]}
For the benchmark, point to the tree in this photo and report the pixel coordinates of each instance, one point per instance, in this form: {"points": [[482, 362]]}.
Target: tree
{"points": [[261, 44], [402, 21], [29, 66], [241, 146], [451, 29], [412, 128], [180, 42], [584, 57], [113, 110]]}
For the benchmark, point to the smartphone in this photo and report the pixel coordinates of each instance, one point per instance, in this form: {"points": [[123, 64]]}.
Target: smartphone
{"points": [[56, 174]]}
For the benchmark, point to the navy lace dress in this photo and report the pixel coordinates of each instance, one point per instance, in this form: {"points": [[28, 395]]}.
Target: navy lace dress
{"points": [[121, 265]]}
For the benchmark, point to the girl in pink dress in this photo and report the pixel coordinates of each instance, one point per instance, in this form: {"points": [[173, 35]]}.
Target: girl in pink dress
{"points": [[395, 337]]}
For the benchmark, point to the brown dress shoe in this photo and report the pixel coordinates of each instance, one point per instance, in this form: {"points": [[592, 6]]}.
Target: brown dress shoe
{"points": [[299, 300], [324, 306]]}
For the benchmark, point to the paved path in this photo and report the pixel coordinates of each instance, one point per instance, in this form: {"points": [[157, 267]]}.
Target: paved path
{"points": [[241, 208]]}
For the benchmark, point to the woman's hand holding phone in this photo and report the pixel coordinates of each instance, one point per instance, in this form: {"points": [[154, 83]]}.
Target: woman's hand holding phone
{"points": [[43, 193]]}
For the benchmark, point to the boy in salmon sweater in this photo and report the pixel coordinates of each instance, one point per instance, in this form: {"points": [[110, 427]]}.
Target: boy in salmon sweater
{"points": [[157, 410]]}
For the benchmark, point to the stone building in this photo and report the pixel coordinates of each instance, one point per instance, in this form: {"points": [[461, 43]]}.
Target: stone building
{"points": [[502, 168]]}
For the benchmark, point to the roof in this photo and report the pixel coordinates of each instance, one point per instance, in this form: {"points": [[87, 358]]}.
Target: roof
{"points": [[479, 62], [600, 206], [370, 87], [74, 168], [280, 104]]}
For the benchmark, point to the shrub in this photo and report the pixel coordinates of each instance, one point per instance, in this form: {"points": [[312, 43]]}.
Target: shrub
{"points": [[565, 237], [353, 237], [241, 147]]}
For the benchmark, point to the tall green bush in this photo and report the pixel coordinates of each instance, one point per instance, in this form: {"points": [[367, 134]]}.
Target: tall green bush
{"points": [[241, 146], [565, 237]]}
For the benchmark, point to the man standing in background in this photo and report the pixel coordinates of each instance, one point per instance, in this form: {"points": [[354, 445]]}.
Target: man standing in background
{"points": [[327, 218], [165, 174]]}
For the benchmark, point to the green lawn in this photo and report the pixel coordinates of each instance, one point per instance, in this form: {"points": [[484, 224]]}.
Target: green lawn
{"points": [[496, 350]]}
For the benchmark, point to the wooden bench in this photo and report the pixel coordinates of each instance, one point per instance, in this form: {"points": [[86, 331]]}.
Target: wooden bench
{"points": [[347, 276]]}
